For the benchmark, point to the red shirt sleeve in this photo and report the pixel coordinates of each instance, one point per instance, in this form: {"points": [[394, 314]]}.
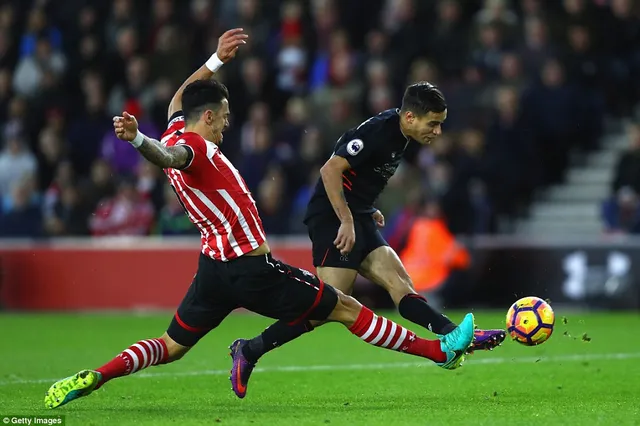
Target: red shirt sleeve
{"points": [[175, 136], [198, 148]]}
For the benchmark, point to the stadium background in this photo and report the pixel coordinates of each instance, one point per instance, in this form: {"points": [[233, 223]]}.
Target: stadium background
{"points": [[539, 93]]}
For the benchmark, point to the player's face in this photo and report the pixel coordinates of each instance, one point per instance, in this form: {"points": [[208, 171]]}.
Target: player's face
{"points": [[219, 121], [428, 127]]}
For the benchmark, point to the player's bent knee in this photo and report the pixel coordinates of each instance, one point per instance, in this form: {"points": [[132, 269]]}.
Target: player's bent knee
{"points": [[346, 311], [175, 351]]}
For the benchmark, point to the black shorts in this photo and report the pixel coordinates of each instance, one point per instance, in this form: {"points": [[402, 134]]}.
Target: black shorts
{"points": [[323, 230], [258, 283]]}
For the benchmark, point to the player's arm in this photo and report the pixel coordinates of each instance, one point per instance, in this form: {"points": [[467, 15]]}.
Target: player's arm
{"points": [[175, 157], [351, 152], [228, 45], [331, 174]]}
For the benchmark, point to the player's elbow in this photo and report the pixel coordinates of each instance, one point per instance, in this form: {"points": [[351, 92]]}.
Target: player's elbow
{"points": [[331, 170], [324, 171], [328, 175], [164, 162], [174, 163], [168, 165]]}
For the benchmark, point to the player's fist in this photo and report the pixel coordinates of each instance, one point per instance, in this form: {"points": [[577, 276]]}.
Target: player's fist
{"points": [[379, 218], [229, 42], [126, 127]]}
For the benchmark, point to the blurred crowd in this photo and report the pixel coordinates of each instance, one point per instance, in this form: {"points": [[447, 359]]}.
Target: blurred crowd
{"points": [[527, 82]]}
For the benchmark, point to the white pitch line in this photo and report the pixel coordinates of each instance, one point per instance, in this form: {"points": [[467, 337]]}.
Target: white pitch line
{"points": [[381, 366]]}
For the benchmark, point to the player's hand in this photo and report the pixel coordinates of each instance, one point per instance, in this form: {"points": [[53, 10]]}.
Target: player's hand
{"points": [[379, 218], [126, 127], [346, 238], [229, 42]]}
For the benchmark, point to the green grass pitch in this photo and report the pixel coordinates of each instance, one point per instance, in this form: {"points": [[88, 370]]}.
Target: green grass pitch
{"points": [[328, 377]]}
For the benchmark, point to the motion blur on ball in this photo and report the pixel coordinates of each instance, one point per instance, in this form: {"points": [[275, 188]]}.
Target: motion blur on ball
{"points": [[530, 321]]}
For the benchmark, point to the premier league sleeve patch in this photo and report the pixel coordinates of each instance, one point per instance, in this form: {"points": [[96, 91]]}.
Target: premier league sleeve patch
{"points": [[355, 146]]}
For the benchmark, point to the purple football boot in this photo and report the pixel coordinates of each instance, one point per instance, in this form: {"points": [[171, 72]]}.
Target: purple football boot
{"points": [[486, 340], [241, 370]]}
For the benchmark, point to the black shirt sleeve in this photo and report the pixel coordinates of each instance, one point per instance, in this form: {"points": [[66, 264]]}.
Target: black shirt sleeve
{"points": [[358, 146]]}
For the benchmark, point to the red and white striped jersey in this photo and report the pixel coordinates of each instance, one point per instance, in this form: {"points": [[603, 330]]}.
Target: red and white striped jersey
{"points": [[214, 196]]}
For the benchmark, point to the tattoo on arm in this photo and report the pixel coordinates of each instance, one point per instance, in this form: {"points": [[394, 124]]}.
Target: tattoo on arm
{"points": [[342, 197], [339, 209], [174, 157]]}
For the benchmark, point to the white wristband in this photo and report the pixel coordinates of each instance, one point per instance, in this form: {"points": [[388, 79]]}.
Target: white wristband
{"points": [[137, 141], [214, 63]]}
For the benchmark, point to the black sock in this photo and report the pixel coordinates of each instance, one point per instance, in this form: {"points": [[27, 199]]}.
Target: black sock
{"points": [[416, 309], [275, 335]]}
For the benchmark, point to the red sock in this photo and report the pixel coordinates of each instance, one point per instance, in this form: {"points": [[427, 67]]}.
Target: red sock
{"points": [[140, 355], [384, 333]]}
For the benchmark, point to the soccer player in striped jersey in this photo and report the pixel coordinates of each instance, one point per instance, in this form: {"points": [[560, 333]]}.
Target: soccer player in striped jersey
{"points": [[235, 268]]}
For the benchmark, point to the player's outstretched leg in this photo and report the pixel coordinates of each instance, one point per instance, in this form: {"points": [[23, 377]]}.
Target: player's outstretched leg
{"points": [[383, 267], [447, 352], [415, 308], [140, 355]]}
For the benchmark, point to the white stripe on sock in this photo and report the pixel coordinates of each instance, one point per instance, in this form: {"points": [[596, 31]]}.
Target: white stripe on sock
{"points": [[155, 347], [380, 335], [134, 357], [152, 353], [161, 351], [146, 356], [372, 327], [392, 333], [400, 339]]}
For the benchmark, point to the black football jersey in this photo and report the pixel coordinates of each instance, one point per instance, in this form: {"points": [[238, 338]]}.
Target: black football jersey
{"points": [[374, 150]]}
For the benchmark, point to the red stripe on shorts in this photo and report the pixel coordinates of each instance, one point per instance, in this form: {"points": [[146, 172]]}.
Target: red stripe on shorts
{"points": [[188, 327], [315, 304]]}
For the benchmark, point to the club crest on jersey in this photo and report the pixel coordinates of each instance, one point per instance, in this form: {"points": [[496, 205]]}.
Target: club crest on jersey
{"points": [[355, 146]]}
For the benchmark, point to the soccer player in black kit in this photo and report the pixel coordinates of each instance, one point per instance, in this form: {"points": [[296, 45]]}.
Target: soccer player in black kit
{"points": [[343, 222]]}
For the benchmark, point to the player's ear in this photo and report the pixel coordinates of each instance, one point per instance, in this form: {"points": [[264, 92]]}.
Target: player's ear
{"points": [[411, 117], [208, 116]]}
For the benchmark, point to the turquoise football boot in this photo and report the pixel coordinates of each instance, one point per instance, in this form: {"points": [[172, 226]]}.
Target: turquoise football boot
{"points": [[456, 343]]}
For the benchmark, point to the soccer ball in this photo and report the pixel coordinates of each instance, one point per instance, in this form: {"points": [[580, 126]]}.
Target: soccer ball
{"points": [[530, 321]]}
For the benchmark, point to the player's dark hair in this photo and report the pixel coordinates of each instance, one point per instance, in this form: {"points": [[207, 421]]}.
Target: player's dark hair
{"points": [[422, 98], [202, 95]]}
